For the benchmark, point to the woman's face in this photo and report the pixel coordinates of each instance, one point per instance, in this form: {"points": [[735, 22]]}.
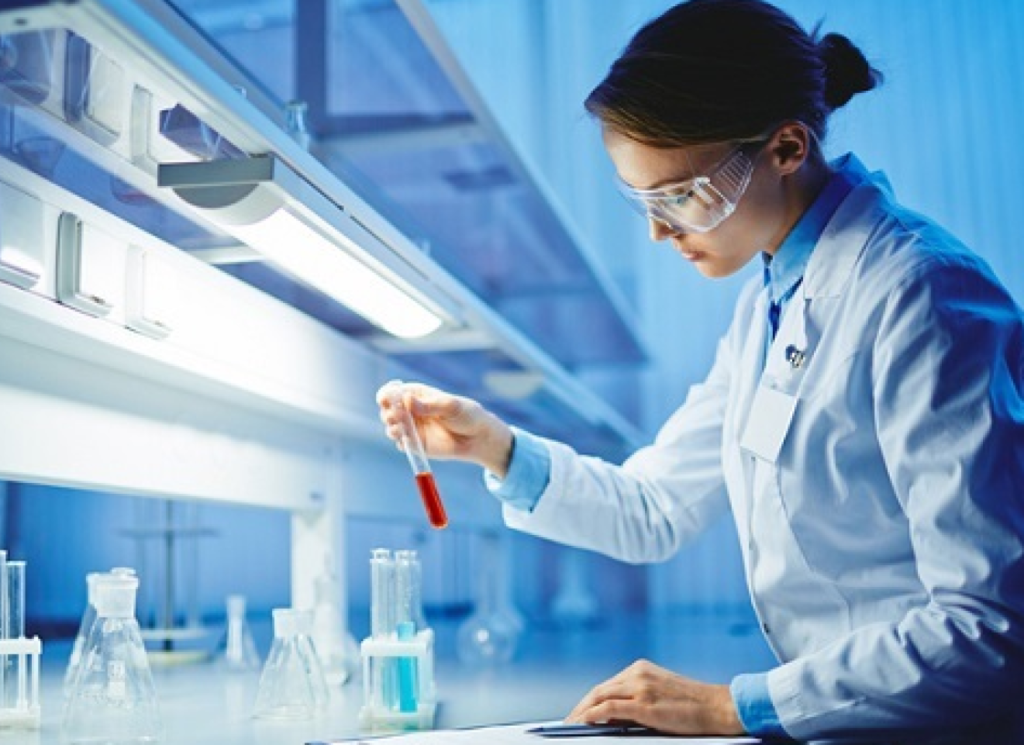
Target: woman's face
{"points": [[758, 224]]}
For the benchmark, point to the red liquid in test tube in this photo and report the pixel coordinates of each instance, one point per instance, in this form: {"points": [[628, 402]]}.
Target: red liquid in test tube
{"points": [[413, 447], [431, 499]]}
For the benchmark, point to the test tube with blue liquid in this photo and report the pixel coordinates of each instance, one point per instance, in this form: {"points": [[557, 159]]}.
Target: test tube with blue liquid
{"points": [[398, 668], [407, 621]]}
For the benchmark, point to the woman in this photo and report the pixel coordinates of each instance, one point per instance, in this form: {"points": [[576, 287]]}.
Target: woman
{"points": [[863, 419]]}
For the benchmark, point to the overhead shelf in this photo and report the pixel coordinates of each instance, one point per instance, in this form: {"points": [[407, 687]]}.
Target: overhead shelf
{"points": [[444, 206]]}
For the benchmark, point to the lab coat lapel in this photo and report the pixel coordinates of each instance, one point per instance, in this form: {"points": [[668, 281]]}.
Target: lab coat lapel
{"points": [[751, 363]]}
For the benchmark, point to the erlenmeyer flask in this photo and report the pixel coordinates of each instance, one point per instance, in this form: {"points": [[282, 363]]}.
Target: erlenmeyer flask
{"points": [[112, 699], [88, 618], [239, 650], [292, 685], [490, 635]]}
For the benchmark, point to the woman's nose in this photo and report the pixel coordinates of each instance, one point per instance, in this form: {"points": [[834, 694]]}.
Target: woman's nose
{"points": [[659, 230]]}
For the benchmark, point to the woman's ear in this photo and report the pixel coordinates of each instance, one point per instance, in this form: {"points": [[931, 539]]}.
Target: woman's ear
{"points": [[790, 146]]}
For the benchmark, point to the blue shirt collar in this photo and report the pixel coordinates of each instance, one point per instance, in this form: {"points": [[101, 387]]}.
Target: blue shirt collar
{"points": [[785, 269]]}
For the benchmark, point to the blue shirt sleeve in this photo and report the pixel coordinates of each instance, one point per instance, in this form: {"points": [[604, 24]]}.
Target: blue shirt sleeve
{"points": [[528, 474], [754, 706]]}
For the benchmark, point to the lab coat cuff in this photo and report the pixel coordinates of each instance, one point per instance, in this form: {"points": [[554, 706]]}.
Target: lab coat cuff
{"points": [[529, 472], [754, 705]]}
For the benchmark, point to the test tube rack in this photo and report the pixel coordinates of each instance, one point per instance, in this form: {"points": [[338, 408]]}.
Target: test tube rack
{"points": [[398, 683], [20, 706]]}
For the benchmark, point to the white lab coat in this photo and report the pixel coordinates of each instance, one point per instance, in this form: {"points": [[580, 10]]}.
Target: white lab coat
{"points": [[882, 522]]}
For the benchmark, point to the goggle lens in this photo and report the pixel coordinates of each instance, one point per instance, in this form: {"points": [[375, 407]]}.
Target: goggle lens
{"points": [[700, 204]]}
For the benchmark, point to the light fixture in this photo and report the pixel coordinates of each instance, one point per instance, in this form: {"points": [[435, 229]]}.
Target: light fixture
{"points": [[270, 208]]}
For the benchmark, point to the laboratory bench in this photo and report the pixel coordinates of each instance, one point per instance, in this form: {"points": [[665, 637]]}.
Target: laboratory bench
{"points": [[203, 704]]}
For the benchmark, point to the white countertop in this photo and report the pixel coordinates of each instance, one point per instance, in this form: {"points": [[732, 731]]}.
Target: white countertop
{"points": [[202, 704]]}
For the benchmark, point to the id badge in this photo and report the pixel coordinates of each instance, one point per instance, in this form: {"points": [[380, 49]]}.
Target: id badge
{"points": [[769, 420]]}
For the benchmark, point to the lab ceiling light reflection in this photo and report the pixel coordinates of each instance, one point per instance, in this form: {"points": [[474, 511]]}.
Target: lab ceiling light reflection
{"points": [[268, 207]]}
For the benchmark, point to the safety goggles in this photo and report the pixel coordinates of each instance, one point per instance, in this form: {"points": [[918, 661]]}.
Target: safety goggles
{"points": [[700, 203]]}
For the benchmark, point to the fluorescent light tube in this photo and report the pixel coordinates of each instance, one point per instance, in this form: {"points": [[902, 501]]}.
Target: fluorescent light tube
{"points": [[272, 210]]}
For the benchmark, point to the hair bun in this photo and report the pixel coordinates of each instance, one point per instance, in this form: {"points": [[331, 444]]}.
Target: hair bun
{"points": [[847, 71]]}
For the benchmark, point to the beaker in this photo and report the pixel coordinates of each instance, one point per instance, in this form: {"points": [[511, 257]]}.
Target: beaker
{"points": [[239, 650], [292, 685], [112, 699], [88, 618]]}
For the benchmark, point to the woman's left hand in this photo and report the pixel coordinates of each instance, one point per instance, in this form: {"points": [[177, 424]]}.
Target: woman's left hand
{"points": [[654, 697]]}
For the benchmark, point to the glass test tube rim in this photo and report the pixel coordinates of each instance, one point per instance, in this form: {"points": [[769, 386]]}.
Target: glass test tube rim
{"points": [[410, 440]]}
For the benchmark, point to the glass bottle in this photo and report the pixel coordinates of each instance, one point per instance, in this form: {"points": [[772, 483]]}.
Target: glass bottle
{"points": [[112, 698], [490, 635], [336, 647], [292, 685], [296, 115], [239, 650]]}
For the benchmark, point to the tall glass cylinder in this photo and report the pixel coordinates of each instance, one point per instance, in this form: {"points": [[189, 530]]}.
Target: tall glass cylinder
{"points": [[16, 599], [382, 593], [409, 589], [4, 621], [5, 613]]}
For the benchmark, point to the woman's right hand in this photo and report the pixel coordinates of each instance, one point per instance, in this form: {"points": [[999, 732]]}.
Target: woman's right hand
{"points": [[451, 427]]}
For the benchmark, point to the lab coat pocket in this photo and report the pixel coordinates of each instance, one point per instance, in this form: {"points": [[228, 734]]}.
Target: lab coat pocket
{"points": [[769, 420]]}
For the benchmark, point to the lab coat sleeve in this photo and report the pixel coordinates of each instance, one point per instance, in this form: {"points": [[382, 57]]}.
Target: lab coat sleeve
{"points": [[643, 510], [947, 377]]}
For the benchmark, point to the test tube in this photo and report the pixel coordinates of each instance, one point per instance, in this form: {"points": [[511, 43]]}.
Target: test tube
{"points": [[16, 599], [5, 618], [16, 630], [413, 447], [408, 590], [382, 593], [383, 674]]}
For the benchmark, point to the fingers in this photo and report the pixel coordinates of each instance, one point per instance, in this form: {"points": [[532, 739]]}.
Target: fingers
{"points": [[421, 401], [425, 401], [600, 695], [615, 711]]}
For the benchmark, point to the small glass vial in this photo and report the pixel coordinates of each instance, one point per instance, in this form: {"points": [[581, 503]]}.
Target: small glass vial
{"points": [[296, 114], [239, 652]]}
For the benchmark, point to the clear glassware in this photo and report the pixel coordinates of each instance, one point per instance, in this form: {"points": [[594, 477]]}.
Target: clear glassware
{"points": [[292, 685], [15, 665], [491, 634], [113, 700], [409, 589], [88, 618], [238, 653], [296, 115], [337, 648]]}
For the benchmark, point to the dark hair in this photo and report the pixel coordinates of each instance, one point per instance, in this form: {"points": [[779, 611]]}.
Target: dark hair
{"points": [[717, 70]]}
